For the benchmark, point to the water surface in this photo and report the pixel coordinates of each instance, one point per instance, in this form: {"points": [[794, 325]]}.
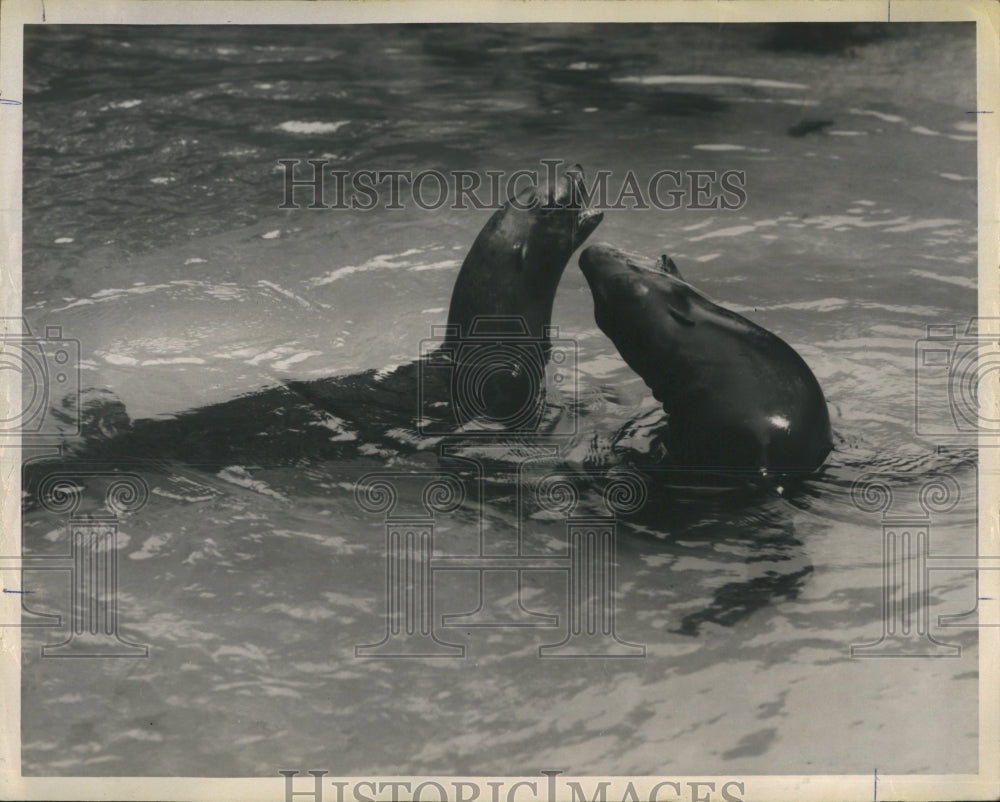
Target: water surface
{"points": [[152, 234]]}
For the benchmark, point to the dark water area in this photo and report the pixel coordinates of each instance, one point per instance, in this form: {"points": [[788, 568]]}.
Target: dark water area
{"points": [[153, 236]]}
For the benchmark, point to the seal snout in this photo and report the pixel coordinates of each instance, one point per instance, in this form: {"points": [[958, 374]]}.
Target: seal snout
{"points": [[572, 194], [600, 263]]}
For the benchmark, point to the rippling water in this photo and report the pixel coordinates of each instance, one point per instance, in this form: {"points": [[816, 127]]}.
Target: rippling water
{"points": [[152, 235]]}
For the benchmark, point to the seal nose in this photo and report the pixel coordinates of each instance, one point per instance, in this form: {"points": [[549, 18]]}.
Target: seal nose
{"points": [[569, 189], [575, 174], [593, 258]]}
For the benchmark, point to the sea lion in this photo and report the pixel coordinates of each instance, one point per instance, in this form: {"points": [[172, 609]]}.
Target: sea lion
{"points": [[500, 316], [514, 266], [486, 366], [491, 364], [739, 398]]}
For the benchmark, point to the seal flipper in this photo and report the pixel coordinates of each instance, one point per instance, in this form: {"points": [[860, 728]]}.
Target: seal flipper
{"points": [[666, 264], [681, 315]]}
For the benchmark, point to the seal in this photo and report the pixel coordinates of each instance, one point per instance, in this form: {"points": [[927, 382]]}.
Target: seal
{"points": [[514, 266], [499, 321], [490, 364], [739, 398]]}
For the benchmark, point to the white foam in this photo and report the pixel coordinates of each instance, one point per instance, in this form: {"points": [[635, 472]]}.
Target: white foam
{"points": [[602, 367], [445, 265], [301, 127], [917, 225], [177, 360], [282, 291], [342, 432], [380, 262], [118, 359], [696, 226], [238, 475], [835, 221], [720, 147], [154, 544], [284, 364], [888, 118], [707, 80], [731, 231], [787, 101], [958, 281], [819, 305]]}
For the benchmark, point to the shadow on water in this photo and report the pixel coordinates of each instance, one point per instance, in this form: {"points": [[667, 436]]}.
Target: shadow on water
{"points": [[822, 38], [737, 601], [683, 104]]}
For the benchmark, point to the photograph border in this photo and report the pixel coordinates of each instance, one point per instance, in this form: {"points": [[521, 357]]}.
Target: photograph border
{"points": [[14, 14]]}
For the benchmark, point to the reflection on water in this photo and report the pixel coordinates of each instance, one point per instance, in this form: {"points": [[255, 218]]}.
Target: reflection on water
{"points": [[153, 235]]}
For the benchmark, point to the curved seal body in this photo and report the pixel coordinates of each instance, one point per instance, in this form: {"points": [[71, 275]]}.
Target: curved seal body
{"points": [[739, 397], [514, 266], [499, 322]]}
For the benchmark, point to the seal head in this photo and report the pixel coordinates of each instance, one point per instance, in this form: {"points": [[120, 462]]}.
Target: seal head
{"points": [[500, 319], [740, 399], [515, 264]]}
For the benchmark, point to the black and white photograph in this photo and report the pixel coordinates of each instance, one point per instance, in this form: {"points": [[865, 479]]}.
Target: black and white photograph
{"points": [[411, 404]]}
